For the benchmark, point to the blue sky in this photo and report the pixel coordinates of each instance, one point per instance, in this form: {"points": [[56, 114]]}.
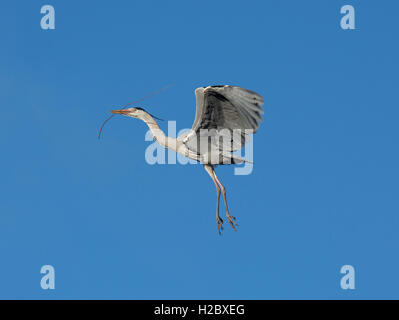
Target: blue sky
{"points": [[323, 193]]}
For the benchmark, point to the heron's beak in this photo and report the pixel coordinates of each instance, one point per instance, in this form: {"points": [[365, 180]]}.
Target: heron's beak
{"points": [[118, 111]]}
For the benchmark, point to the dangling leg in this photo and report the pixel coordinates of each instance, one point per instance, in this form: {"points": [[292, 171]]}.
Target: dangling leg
{"points": [[229, 217], [219, 220]]}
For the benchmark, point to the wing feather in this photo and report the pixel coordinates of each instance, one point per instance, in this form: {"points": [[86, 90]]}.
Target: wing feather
{"points": [[221, 108]]}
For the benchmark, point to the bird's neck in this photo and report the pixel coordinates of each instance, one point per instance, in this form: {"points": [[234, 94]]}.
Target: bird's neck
{"points": [[158, 134]]}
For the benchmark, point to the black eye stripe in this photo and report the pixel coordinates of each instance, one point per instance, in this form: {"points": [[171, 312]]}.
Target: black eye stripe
{"points": [[139, 108]]}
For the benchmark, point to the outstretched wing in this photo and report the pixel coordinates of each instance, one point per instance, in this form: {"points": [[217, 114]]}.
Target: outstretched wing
{"points": [[225, 112]]}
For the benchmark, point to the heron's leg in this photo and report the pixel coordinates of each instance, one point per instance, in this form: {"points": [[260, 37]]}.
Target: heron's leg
{"points": [[219, 220], [229, 216]]}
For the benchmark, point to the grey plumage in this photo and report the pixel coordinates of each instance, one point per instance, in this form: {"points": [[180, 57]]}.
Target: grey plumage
{"points": [[224, 118]]}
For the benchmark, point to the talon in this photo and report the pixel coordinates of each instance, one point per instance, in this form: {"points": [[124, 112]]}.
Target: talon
{"points": [[219, 222], [232, 222]]}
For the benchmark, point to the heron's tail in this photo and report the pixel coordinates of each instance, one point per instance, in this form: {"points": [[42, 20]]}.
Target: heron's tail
{"points": [[237, 160]]}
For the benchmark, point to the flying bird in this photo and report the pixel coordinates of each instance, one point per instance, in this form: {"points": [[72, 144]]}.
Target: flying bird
{"points": [[223, 113]]}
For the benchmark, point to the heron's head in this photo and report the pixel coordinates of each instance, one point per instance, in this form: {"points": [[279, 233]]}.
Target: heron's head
{"points": [[136, 112], [131, 112]]}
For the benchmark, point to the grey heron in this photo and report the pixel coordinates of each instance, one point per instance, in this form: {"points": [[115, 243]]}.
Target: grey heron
{"points": [[223, 113]]}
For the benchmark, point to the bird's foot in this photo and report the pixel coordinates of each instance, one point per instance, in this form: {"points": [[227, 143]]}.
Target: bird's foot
{"points": [[232, 222], [219, 222]]}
